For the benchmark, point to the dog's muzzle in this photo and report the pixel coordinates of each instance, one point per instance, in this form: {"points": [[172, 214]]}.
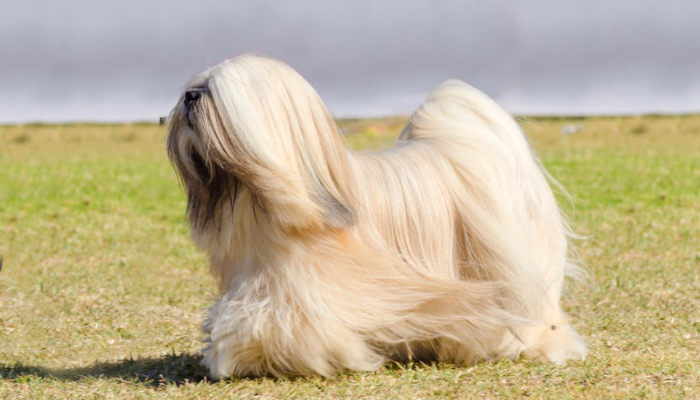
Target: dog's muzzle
{"points": [[191, 96]]}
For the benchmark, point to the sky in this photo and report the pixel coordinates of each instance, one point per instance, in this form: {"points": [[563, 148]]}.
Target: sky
{"points": [[127, 60]]}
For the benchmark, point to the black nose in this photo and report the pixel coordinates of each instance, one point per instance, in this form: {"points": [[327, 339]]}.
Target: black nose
{"points": [[191, 96]]}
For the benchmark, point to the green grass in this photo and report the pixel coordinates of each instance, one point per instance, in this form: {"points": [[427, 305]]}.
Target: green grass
{"points": [[101, 293]]}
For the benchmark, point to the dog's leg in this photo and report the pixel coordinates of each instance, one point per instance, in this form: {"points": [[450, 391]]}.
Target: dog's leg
{"points": [[267, 343], [279, 321]]}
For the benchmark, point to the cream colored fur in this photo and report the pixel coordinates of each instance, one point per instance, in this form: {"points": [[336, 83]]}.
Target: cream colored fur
{"points": [[449, 246]]}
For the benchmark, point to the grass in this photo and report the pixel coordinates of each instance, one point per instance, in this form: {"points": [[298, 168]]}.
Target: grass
{"points": [[101, 292]]}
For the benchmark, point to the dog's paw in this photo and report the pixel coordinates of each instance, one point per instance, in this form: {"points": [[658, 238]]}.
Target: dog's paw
{"points": [[556, 344]]}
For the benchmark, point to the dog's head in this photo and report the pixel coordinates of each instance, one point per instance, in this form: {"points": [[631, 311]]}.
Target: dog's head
{"points": [[254, 124]]}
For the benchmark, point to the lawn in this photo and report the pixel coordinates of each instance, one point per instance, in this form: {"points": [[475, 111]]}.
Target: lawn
{"points": [[101, 292]]}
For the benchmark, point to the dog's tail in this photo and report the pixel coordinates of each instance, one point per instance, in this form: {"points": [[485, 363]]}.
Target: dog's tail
{"points": [[513, 230]]}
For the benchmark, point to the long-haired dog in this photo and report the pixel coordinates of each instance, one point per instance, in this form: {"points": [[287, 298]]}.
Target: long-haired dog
{"points": [[449, 246]]}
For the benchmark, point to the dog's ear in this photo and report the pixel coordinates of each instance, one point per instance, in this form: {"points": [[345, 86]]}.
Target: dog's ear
{"points": [[332, 176]]}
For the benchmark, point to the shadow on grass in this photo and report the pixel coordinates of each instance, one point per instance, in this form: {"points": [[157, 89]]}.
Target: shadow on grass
{"points": [[172, 369], [154, 371]]}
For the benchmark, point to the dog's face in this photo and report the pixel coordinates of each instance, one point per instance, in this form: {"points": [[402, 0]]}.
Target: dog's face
{"points": [[253, 124], [205, 181]]}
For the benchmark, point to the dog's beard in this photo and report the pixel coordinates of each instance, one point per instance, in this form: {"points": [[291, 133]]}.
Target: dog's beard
{"points": [[212, 186], [208, 185]]}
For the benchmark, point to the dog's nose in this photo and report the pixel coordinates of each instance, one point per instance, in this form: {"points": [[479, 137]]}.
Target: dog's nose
{"points": [[191, 96]]}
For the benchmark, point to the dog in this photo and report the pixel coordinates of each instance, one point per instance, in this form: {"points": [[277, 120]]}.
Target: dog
{"points": [[448, 247]]}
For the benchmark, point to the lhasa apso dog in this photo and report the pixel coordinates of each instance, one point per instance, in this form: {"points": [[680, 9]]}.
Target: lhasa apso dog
{"points": [[449, 246]]}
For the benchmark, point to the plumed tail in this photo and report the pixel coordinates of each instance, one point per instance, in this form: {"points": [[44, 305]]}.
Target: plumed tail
{"points": [[511, 225]]}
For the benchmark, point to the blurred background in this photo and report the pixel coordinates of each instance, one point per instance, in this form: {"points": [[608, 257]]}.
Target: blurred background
{"points": [[122, 61]]}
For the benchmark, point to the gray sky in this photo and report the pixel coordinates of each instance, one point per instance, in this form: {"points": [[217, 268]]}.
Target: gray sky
{"points": [[81, 60]]}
